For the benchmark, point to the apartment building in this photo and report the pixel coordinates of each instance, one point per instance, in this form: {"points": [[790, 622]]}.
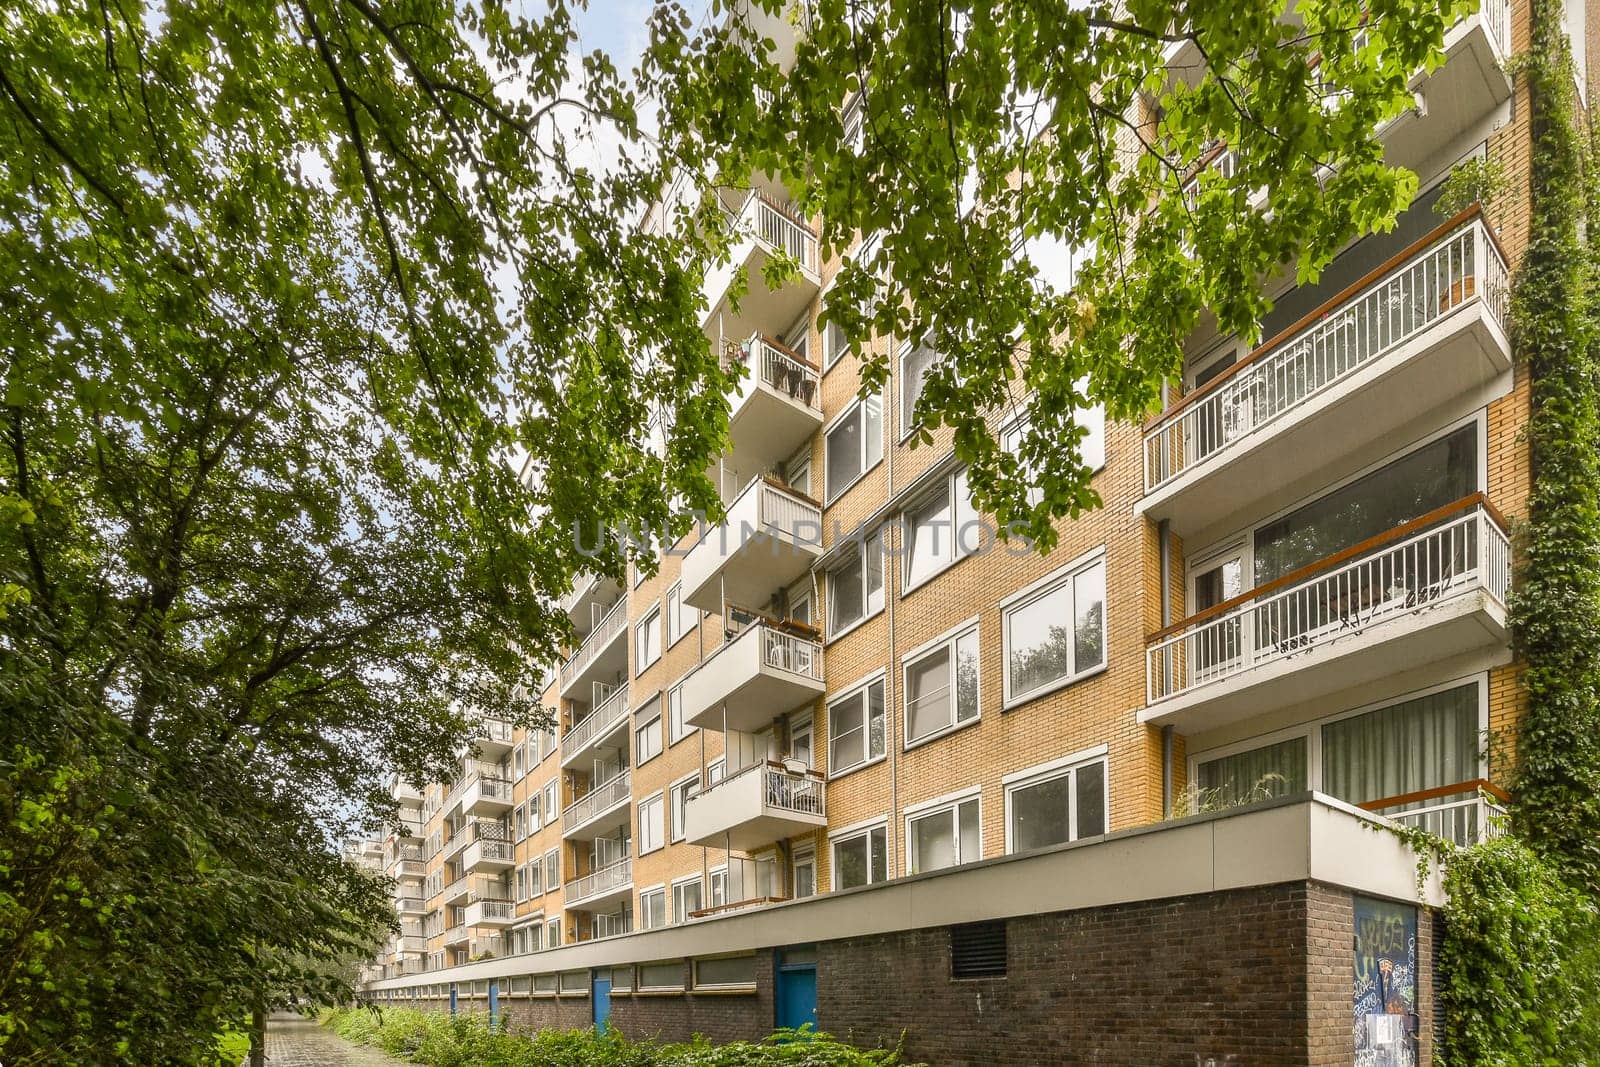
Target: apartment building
{"points": [[1297, 583]]}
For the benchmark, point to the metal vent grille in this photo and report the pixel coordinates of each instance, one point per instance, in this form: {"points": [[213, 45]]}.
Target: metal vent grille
{"points": [[978, 950]]}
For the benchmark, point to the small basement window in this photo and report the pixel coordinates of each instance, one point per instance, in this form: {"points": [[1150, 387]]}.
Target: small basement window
{"points": [[728, 972], [574, 981], [545, 983], [660, 977], [978, 950]]}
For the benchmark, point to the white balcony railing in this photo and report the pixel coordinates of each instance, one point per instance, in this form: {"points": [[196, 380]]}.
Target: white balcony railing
{"points": [[1460, 547], [786, 790], [1468, 813], [614, 622], [611, 711], [1461, 266], [456, 935], [597, 882], [495, 730], [778, 230], [778, 368], [601, 798], [791, 652]]}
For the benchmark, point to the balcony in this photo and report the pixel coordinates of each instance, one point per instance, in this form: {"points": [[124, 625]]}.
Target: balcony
{"points": [[766, 671], [601, 656], [763, 232], [759, 805], [486, 855], [472, 832], [603, 809], [610, 883], [408, 869], [609, 718], [1425, 591], [410, 906], [1419, 331], [457, 890], [406, 943], [492, 738], [778, 405], [770, 537], [1468, 813], [486, 795], [408, 828], [404, 793], [490, 913], [456, 935]]}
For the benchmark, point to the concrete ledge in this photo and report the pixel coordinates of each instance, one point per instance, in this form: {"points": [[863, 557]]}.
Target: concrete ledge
{"points": [[1308, 837]]}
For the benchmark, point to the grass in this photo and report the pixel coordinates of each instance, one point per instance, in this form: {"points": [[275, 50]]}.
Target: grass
{"points": [[233, 1046], [434, 1039]]}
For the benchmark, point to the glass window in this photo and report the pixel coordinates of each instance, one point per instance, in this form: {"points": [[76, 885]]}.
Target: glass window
{"points": [[860, 858], [1434, 475], [856, 728], [686, 899], [574, 981], [944, 838], [1269, 771], [647, 738], [659, 976], [552, 807], [719, 887], [1059, 807], [680, 808], [652, 813], [734, 971], [855, 587], [653, 909], [1425, 743], [677, 728], [805, 874], [915, 363], [1091, 447], [855, 444], [552, 868], [942, 687], [647, 641], [549, 983], [834, 344], [1056, 633], [681, 617], [552, 936]]}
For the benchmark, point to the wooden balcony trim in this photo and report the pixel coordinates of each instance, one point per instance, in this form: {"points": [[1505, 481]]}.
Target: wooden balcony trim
{"points": [[1476, 785]]}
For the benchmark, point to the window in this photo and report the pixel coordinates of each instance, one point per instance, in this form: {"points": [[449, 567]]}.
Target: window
{"points": [[535, 871], [915, 362], [677, 729], [944, 837], [659, 977], [854, 445], [548, 984], [522, 884], [805, 874], [519, 820], [653, 908], [860, 858], [714, 771], [647, 736], [856, 728], [855, 587], [730, 972], [518, 758], [652, 811], [552, 868], [941, 687], [647, 640], [552, 936], [686, 899], [942, 528], [719, 887], [621, 979], [1056, 632], [552, 805], [834, 344], [1056, 805], [680, 806], [802, 741], [681, 618], [1091, 447], [574, 981], [532, 806]]}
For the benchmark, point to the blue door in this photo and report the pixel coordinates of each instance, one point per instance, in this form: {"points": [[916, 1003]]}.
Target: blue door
{"points": [[797, 995], [494, 1004], [452, 998], [602, 1000]]}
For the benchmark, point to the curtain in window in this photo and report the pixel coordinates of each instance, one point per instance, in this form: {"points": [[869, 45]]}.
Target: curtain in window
{"points": [[1420, 744], [1270, 771]]}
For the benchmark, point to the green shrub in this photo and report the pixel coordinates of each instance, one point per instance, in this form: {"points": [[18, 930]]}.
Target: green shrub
{"points": [[435, 1039]]}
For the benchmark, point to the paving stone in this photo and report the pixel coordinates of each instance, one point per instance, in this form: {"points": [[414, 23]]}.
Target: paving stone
{"points": [[296, 1042]]}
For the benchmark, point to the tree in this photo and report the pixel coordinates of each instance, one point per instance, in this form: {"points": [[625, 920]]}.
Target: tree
{"points": [[286, 287]]}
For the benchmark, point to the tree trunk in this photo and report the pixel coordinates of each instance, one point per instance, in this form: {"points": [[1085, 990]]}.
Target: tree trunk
{"points": [[258, 1038]]}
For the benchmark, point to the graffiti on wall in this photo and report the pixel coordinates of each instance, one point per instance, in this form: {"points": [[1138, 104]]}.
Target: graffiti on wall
{"points": [[1385, 984]]}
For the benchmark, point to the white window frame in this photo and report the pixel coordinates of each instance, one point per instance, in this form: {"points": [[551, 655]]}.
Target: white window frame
{"points": [[953, 537], [851, 833], [678, 726], [947, 642], [948, 805], [650, 619], [1060, 768], [907, 427], [1060, 578], [857, 408], [676, 617], [713, 877], [799, 858], [659, 800], [1012, 431], [675, 830], [549, 853], [1311, 729], [678, 886], [641, 727], [873, 546], [552, 802], [878, 677], [552, 933], [645, 894]]}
